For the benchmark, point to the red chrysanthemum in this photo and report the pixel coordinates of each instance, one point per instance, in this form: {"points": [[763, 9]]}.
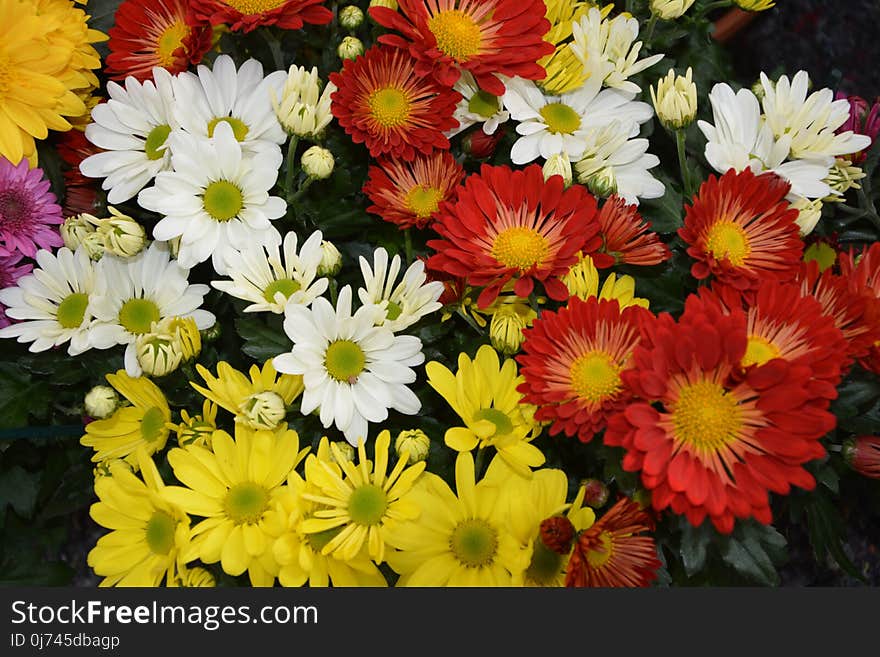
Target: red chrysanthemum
{"points": [[741, 230], [626, 237], [409, 193], [485, 37], [80, 192], [571, 361], [708, 439], [613, 553], [247, 15], [382, 103], [862, 274], [150, 33], [511, 225]]}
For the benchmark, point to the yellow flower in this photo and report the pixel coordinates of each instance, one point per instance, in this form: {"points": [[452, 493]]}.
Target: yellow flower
{"points": [[670, 9], [483, 393], [754, 5], [149, 533], [509, 318], [142, 424], [232, 488], [564, 70], [582, 281], [196, 429]]}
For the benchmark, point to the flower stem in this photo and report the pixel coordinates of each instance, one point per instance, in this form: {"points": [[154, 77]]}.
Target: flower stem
{"points": [[649, 32], [478, 465], [715, 5], [302, 190], [407, 245], [682, 161], [291, 163]]}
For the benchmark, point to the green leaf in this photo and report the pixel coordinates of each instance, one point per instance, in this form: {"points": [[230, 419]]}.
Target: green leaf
{"points": [[826, 531], [694, 546], [18, 489], [752, 550], [262, 340], [666, 213], [20, 396]]}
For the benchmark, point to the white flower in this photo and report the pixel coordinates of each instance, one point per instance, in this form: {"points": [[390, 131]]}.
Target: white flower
{"points": [[562, 124], [132, 293], [54, 302], [259, 275], [303, 109], [132, 127], [404, 303], [353, 370], [241, 98], [477, 106], [216, 198]]}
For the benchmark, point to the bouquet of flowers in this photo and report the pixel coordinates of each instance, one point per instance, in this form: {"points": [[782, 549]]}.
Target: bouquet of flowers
{"points": [[427, 293]]}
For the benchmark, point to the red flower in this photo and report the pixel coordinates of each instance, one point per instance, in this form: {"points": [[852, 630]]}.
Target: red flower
{"points": [[707, 440], [409, 193], [247, 15], [150, 33], [479, 145], [741, 230], [80, 193], [862, 454], [485, 37], [864, 119], [510, 225], [626, 237], [862, 274], [572, 360], [382, 103]]}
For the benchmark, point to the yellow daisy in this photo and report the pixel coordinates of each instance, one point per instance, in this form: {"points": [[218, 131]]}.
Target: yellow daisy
{"points": [[582, 281], [564, 71], [141, 425], [149, 533], [196, 429]]}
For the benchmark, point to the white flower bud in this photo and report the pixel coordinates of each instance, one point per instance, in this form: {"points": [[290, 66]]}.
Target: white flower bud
{"points": [[350, 48], [559, 165], [351, 17], [670, 9], [93, 243], [122, 235], [263, 410], [304, 110], [75, 228], [675, 100], [157, 353], [331, 259], [317, 162], [101, 402]]}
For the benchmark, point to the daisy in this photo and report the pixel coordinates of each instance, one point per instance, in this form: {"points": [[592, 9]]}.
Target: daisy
{"points": [[54, 303], [571, 364], [260, 276], [151, 33], [353, 370], [404, 302], [29, 214], [409, 193], [11, 269], [132, 293], [562, 124], [381, 102], [508, 225], [477, 106], [485, 37], [582, 281], [741, 229], [248, 15], [215, 198], [564, 72], [148, 533], [626, 237], [132, 128]]}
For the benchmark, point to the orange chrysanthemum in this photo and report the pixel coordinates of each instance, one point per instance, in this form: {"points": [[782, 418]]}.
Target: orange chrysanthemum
{"points": [[613, 553], [626, 237], [382, 103], [708, 439], [741, 229], [485, 37], [513, 225], [149, 33], [409, 193], [247, 15], [862, 274], [571, 361]]}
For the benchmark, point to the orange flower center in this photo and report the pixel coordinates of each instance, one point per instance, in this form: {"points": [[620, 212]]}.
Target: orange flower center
{"points": [[249, 7], [519, 247], [598, 558], [706, 416], [170, 40], [727, 239], [759, 350], [457, 34], [389, 107], [423, 201], [595, 376]]}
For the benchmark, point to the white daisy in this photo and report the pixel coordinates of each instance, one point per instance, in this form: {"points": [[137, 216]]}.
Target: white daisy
{"points": [[133, 128], [260, 276], [53, 302], [561, 124], [404, 303], [216, 198], [241, 98], [477, 106], [352, 370], [132, 293]]}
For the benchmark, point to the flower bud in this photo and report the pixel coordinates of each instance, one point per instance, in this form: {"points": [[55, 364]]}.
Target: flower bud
{"points": [[331, 260], [263, 410], [862, 454], [156, 353], [670, 9], [187, 338], [197, 429], [675, 100], [557, 534], [212, 333], [317, 162], [603, 183], [595, 493], [304, 110], [415, 442], [507, 325], [390, 4], [479, 145], [351, 17], [93, 243], [559, 165], [350, 48], [341, 452], [101, 402], [75, 228], [754, 5], [197, 578], [106, 467], [122, 235]]}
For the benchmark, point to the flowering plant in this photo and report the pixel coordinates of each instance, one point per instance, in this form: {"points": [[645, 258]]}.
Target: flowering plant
{"points": [[427, 293]]}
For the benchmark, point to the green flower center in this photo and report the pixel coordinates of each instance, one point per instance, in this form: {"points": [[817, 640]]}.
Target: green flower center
{"points": [[160, 532], [560, 118], [392, 311], [344, 360], [155, 140], [245, 503], [137, 315], [153, 424], [239, 129], [474, 543], [367, 504], [72, 310], [484, 104], [284, 285], [318, 540], [223, 200], [545, 565], [503, 425]]}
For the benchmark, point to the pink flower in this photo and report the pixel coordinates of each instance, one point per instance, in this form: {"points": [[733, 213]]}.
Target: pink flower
{"points": [[29, 215], [11, 270], [864, 119]]}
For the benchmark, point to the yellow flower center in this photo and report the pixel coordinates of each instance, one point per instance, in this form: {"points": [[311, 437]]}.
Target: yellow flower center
{"points": [[519, 247], [706, 416], [545, 565], [759, 350], [423, 201], [245, 503], [503, 425], [344, 360], [367, 504], [484, 104], [727, 239], [595, 376], [152, 424], [560, 118], [137, 315], [250, 7], [284, 285], [169, 41], [598, 558], [239, 127], [457, 34], [389, 107], [160, 533], [474, 543], [72, 310], [222, 200]]}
